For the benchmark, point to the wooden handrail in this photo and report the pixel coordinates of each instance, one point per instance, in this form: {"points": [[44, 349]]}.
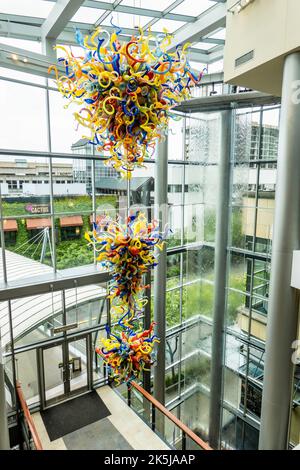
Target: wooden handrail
{"points": [[172, 418], [28, 417]]}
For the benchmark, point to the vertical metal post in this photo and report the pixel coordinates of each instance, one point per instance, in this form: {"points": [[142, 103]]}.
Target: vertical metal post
{"points": [[160, 213], [65, 348], [183, 442], [153, 424], [129, 395], [283, 300], [4, 435], [160, 274], [4, 438], [53, 235], [2, 238], [89, 356], [47, 46], [147, 323], [219, 307], [94, 202]]}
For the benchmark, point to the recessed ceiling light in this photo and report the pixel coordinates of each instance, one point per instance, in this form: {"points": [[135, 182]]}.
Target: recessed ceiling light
{"points": [[14, 57], [25, 59]]}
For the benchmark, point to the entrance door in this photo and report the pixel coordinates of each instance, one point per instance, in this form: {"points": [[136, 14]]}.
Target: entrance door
{"points": [[65, 367]]}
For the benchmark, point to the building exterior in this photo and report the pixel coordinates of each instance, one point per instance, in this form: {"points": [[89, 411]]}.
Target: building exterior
{"points": [[21, 177], [82, 169]]}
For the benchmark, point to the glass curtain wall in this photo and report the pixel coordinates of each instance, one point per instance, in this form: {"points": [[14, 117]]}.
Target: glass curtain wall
{"points": [[192, 181], [253, 168]]}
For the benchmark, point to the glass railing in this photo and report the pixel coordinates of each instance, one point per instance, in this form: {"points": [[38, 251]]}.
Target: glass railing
{"points": [[165, 424]]}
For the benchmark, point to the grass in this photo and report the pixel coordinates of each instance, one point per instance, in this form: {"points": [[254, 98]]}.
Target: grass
{"points": [[69, 253]]}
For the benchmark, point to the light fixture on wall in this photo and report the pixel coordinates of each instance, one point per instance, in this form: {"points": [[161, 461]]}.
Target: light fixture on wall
{"points": [[240, 5]]}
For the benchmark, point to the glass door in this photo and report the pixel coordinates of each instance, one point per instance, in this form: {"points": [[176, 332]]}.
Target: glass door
{"points": [[78, 365], [65, 369], [53, 373]]}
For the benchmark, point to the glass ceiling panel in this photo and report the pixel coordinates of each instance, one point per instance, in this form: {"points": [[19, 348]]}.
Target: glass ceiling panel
{"points": [[125, 20], [76, 51], [219, 35], [16, 75], [203, 45], [216, 67], [171, 25], [158, 5], [192, 8], [197, 65], [33, 46], [87, 15], [35, 8]]}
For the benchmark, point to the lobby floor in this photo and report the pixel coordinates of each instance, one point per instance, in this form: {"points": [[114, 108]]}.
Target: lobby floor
{"points": [[121, 430]]}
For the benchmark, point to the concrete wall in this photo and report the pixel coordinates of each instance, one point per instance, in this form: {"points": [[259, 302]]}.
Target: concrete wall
{"points": [[265, 217], [269, 28], [58, 189], [258, 323]]}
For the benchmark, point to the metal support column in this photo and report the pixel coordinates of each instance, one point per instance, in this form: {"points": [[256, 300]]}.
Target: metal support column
{"points": [[160, 272], [147, 323], [4, 435], [219, 307], [283, 303], [47, 45]]}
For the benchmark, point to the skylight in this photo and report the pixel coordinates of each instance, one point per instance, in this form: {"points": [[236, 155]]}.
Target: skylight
{"points": [[170, 25], [158, 5], [35, 8], [87, 15], [125, 20], [193, 8]]}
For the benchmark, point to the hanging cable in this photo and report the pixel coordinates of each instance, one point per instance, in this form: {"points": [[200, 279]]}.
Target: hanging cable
{"points": [[37, 247], [40, 234]]}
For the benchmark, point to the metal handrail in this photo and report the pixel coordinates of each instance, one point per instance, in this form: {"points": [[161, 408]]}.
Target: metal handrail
{"points": [[157, 405], [28, 418]]}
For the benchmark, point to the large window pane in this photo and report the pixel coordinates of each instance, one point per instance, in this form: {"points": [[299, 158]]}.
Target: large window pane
{"points": [[20, 128]]}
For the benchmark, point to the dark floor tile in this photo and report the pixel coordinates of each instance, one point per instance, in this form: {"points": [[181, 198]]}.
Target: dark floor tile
{"points": [[101, 435]]}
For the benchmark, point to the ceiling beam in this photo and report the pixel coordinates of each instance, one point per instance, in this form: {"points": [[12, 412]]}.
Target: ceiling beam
{"points": [[206, 24], [26, 61], [137, 11], [33, 33], [107, 13], [217, 53], [164, 13], [15, 20], [59, 17], [220, 42], [20, 31]]}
